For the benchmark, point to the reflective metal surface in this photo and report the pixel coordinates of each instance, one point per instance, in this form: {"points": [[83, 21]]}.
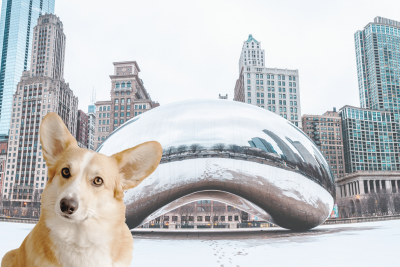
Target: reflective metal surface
{"points": [[252, 156]]}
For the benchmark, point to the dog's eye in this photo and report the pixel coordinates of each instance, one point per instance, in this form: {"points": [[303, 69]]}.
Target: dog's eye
{"points": [[65, 173], [97, 181]]}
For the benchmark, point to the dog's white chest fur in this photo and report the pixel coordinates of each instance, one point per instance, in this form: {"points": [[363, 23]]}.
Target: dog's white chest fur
{"points": [[73, 256], [77, 245]]}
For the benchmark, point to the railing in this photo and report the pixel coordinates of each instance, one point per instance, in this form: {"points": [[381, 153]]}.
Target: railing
{"points": [[362, 219]]}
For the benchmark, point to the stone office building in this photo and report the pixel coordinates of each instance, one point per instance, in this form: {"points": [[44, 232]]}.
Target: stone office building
{"points": [[129, 98], [276, 90], [326, 132], [368, 193], [41, 90]]}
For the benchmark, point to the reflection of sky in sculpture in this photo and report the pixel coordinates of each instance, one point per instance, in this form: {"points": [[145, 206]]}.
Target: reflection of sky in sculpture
{"points": [[286, 181]]}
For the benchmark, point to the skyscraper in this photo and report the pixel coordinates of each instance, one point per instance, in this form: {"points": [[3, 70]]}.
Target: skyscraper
{"points": [[326, 132], [41, 90], [18, 18], [274, 89], [91, 125], [378, 65], [370, 133]]}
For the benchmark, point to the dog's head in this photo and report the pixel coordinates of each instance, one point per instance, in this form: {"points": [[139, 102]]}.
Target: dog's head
{"points": [[86, 185]]}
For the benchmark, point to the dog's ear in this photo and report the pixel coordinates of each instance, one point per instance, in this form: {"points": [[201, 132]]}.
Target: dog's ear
{"points": [[138, 162], [54, 137]]}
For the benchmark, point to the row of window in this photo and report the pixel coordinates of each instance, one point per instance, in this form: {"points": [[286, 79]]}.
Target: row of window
{"points": [[268, 76], [273, 95], [122, 85], [281, 102], [200, 218], [104, 108], [272, 83]]}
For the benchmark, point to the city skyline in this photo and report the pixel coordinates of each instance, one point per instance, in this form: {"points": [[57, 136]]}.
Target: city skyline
{"points": [[323, 52]]}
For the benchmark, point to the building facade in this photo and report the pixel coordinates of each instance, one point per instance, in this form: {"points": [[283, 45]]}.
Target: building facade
{"points": [[274, 89], [326, 132], [82, 129], [3, 161], [368, 193], [371, 140], [41, 90], [102, 123], [18, 19], [378, 65], [129, 98], [91, 126]]}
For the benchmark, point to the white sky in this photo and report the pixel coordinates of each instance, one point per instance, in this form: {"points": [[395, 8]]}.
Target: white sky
{"points": [[191, 49]]}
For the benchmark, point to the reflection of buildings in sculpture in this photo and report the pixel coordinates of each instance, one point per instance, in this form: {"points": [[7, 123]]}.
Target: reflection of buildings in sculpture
{"points": [[204, 211], [307, 156], [262, 144], [287, 152]]}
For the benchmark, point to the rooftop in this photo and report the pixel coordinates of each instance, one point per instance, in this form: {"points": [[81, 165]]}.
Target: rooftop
{"points": [[251, 38]]}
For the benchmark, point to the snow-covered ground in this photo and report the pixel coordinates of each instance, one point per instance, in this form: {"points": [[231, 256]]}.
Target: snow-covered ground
{"points": [[362, 244]]}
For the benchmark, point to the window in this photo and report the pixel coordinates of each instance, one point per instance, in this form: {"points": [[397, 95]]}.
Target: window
{"points": [[248, 88], [248, 81], [116, 108], [249, 101], [248, 94], [115, 121], [122, 114], [117, 85], [128, 84], [116, 101], [121, 121], [123, 85]]}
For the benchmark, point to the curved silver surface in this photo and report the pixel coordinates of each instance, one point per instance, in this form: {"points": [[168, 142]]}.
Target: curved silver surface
{"points": [[231, 147]]}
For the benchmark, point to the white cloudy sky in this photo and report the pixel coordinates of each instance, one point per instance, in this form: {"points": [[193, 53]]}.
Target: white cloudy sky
{"points": [[190, 49]]}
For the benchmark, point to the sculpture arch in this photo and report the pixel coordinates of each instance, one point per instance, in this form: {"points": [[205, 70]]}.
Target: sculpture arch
{"points": [[227, 150]]}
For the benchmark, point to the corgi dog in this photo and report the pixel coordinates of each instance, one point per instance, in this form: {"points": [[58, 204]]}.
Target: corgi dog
{"points": [[82, 221]]}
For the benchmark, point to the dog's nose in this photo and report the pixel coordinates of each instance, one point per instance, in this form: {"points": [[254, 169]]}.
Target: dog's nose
{"points": [[68, 206]]}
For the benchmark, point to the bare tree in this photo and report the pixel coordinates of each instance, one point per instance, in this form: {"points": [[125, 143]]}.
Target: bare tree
{"points": [[396, 203], [182, 148], [185, 212], [217, 210], [383, 201], [170, 150], [235, 148], [195, 147], [219, 147]]}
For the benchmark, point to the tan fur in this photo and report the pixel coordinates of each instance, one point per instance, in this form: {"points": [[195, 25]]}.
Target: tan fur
{"points": [[97, 231]]}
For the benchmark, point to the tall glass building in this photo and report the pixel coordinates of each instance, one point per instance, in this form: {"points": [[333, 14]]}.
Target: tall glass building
{"points": [[378, 65], [18, 18], [371, 133]]}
